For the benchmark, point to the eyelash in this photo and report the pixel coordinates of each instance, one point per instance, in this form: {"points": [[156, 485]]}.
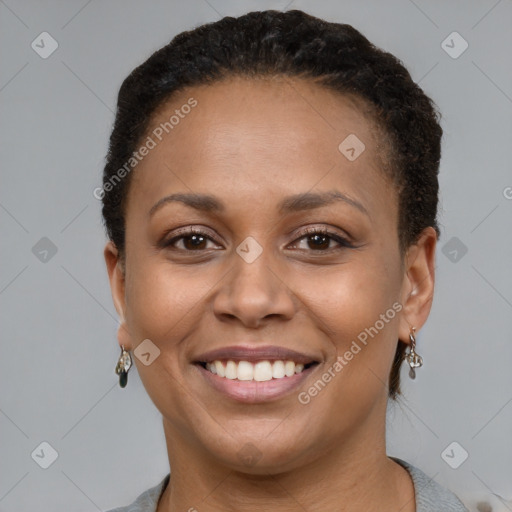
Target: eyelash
{"points": [[342, 241]]}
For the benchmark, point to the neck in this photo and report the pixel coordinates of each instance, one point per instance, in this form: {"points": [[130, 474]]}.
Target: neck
{"points": [[357, 476]]}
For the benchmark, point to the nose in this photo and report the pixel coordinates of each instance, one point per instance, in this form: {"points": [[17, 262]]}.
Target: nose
{"points": [[253, 292]]}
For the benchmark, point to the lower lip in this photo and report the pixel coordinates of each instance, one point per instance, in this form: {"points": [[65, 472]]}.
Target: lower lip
{"points": [[250, 391]]}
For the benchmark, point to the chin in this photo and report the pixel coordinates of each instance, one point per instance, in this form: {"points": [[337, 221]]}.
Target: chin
{"points": [[261, 453]]}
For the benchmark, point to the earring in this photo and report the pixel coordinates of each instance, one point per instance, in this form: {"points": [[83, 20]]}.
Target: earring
{"points": [[414, 359], [123, 365]]}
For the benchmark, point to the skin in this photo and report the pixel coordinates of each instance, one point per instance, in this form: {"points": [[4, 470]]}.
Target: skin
{"points": [[250, 143]]}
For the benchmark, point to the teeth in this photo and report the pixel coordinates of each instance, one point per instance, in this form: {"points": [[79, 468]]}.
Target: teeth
{"points": [[231, 370], [278, 370], [219, 367], [259, 372], [263, 371], [245, 371], [289, 368]]}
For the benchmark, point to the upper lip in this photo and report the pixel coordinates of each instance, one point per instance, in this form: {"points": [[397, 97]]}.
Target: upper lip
{"points": [[246, 353]]}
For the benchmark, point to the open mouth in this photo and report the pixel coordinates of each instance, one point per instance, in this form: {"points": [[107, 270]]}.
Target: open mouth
{"points": [[259, 371]]}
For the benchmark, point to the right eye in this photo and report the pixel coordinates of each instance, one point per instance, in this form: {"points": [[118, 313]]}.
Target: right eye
{"points": [[193, 240]]}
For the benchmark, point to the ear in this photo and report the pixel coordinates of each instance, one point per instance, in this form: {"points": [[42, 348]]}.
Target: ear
{"points": [[116, 275], [418, 285]]}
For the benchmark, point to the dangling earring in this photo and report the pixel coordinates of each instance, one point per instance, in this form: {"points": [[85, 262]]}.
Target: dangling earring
{"points": [[123, 365], [414, 360]]}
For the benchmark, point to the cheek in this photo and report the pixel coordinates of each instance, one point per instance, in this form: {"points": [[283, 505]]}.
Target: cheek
{"points": [[350, 298], [355, 310], [163, 305], [162, 299]]}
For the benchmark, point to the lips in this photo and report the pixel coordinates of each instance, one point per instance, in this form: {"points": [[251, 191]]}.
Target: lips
{"points": [[255, 374]]}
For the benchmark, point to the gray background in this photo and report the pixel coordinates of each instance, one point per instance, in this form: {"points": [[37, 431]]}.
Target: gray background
{"points": [[59, 325]]}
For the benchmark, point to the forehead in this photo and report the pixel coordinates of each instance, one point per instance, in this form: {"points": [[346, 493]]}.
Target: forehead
{"points": [[252, 136]]}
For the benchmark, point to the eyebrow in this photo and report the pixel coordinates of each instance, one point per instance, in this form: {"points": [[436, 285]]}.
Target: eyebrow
{"points": [[294, 203]]}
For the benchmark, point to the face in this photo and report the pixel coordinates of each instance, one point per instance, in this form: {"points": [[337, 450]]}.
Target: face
{"points": [[253, 237]]}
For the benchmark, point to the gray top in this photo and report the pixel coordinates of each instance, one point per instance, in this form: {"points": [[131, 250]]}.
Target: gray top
{"points": [[430, 496]]}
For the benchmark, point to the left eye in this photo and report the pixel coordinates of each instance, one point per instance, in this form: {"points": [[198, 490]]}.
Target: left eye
{"points": [[319, 240]]}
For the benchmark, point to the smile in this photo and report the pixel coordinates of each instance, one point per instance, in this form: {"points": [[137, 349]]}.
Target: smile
{"points": [[255, 374], [250, 390]]}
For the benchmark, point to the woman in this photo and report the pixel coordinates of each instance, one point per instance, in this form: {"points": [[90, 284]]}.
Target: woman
{"points": [[270, 198]]}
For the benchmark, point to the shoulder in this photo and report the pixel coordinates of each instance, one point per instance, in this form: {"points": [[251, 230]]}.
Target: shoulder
{"points": [[147, 501], [431, 496]]}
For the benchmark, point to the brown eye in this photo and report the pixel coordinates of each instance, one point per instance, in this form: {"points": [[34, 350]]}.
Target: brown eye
{"points": [[320, 239], [192, 240]]}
